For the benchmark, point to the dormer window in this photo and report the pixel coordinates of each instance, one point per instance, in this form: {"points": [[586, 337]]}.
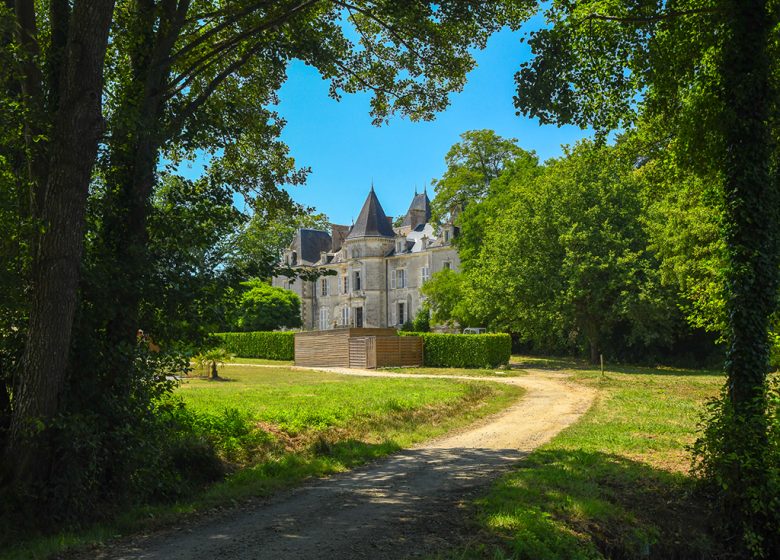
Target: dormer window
{"points": [[399, 246], [446, 235]]}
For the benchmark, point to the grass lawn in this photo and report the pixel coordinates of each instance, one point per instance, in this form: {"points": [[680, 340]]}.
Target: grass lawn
{"points": [[262, 361], [614, 485], [495, 372], [274, 427]]}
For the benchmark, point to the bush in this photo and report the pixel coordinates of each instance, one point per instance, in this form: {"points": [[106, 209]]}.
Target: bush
{"points": [[737, 459], [465, 350], [422, 321], [264, 308], [261, 344]]}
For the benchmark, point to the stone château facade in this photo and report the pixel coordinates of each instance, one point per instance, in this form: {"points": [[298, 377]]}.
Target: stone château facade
{"points": [[379, 268]]}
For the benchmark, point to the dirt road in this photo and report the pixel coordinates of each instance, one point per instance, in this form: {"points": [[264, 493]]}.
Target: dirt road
{"points": [[408, 505]]}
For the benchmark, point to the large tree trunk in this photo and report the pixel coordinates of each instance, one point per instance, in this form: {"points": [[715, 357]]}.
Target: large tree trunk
{"points": [[751, 200], [751, 191], [134, 159], [76, 126]]}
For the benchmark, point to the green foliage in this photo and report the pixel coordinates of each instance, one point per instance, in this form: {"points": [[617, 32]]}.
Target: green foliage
{"points": [[210, 360], [708, 71], [722, 461], [444, 297], [422, 321], [269, 345], [472, 164], [264, 307], [465, 350], [616, 483], [567, 262], [259, 244]]}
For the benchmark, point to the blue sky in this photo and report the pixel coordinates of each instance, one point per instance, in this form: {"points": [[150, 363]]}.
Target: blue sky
{"points": [[346, 152]]}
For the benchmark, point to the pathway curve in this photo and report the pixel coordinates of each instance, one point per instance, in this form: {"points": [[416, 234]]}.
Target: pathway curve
{"points": [[410, 504]]}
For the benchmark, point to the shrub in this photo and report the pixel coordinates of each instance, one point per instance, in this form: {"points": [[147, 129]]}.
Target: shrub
{"points": [[422, 321], [261, 344], [465, 350], [743, 477], [264, 308]]}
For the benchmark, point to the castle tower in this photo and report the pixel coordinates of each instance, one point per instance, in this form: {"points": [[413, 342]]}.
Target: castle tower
{"points": [[369, 241]]}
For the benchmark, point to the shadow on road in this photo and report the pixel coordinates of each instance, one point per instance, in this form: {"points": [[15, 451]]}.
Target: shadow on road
{"points": [[412, 504]]}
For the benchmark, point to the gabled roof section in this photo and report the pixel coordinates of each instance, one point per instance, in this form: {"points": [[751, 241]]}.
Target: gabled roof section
{"points": [[310, 243], [372, 221], [419, 211]]}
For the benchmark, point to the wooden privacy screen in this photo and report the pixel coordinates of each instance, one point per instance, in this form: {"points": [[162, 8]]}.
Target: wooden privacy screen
{"points": [[357, 348]]}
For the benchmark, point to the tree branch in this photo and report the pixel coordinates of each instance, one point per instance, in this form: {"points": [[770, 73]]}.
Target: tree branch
{"points": [[207, 59], [648, 19]]}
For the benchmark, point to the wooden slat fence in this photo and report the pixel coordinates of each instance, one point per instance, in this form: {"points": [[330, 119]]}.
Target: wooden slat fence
{"points": [[357, 348]]}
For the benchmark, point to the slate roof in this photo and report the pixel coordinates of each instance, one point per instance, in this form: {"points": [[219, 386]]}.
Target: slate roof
{"points": [[422, 203], [372, 221], [310, 243]]}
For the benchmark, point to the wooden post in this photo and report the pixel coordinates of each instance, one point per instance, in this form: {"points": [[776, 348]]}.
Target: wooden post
{"points": [[601, 359]]}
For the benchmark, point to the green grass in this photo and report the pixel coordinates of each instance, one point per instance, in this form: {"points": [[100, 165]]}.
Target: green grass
{"points": [[261, 361], [614, 485], [275, 427], [494, 372]]}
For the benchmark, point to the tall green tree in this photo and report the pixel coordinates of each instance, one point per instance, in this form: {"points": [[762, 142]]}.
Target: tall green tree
{"points": [[472, 164], [60, 91], [708, 68], [566, 263], [182, 77]]}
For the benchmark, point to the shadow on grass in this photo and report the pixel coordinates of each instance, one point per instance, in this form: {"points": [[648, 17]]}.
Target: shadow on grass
{"points": [[583, 505], [557, 363]]}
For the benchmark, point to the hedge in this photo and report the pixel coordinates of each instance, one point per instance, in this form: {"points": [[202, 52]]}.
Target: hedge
{"points": [[260, 344], [465, 350]]}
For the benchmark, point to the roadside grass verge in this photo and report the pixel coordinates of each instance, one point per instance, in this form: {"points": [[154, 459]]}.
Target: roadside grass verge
{"points": [[478, 372], [272, 428], [615, 484]]}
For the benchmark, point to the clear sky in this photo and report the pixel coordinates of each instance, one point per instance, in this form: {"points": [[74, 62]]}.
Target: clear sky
{"points": [[346, 152]]}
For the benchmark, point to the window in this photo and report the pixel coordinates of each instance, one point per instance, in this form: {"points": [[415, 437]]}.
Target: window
{"points": [[447, 265], [398, 279], [323, 286], [355, 253], [425, 274], [356, 281], [345, 285], [401, 314], [446, 235], [345, 316], [358, 317], [399, 246], [324, 319]]}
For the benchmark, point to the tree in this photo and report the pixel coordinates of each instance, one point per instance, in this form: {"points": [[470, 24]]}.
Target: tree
{"points": [[472, 164], [257, 249], [265, 308], [444, 298], [181, 77], [567, 261], [60, 91], [708, 69]]}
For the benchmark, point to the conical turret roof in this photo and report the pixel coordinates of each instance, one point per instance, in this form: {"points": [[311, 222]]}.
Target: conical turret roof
{"points": [[419, 210], [372, 221]]}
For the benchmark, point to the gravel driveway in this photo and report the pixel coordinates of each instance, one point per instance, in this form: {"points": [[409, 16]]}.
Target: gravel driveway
{"points": [[411, 504]]}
